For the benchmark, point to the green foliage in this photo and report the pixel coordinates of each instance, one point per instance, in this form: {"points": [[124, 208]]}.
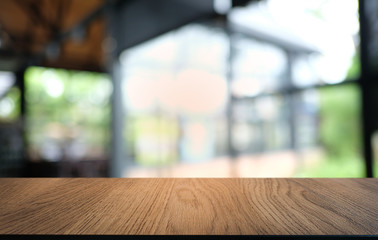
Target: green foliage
{"points": [[153, 139], [340, 131], [355, 67], [10, 105], [336, 168], [68, 105]]}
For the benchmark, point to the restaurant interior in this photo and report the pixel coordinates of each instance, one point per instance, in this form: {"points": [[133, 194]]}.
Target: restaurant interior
{"points": [[200, 88]]}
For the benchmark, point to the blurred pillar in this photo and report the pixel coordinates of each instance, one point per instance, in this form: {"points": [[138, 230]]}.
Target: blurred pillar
{"points": [[292, 118], [369, 77], [20, 83], [118, 161], [229, 78]]}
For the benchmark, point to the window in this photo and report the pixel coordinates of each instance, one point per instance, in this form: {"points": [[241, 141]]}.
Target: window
{"points": [[284, 103], [67, 116]]}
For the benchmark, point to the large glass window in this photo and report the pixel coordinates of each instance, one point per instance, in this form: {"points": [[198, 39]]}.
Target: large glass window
{"points": [[258, 67], [282, 119], [68, 116], [175, 95]]}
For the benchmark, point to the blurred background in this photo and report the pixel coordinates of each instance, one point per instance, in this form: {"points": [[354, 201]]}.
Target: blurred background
{"points": [[201, 88]]}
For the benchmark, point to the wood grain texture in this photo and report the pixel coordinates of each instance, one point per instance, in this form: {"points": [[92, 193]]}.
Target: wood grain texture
{"points": [[189, 206]]}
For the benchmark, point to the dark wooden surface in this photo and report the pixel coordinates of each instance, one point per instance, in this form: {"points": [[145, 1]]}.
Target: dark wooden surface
{"points": [[189, 206]]}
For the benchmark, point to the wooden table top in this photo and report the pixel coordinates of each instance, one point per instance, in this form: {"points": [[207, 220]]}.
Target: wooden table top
{"points": [[244, 206]]}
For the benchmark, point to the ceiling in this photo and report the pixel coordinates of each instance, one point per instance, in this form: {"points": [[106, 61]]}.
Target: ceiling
{"points": [[71, 34], [31, 32]]}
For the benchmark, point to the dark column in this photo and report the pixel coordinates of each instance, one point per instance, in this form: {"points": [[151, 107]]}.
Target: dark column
{"points": [[367, 82], [20, 83]]}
